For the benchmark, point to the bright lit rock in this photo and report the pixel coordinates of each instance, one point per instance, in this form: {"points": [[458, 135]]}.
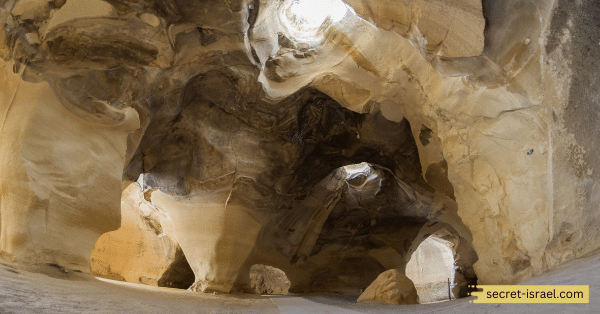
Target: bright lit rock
{"points": [[431, 269], [59, 181], [143, 249], [384, 63], [391, 287], [430, 23], [215, 235]]}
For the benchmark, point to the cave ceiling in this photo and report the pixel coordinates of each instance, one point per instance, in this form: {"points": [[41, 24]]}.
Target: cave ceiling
{"points": [[325, 138]]}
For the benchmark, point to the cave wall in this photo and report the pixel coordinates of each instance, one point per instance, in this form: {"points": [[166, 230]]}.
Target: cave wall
{"points": [[571, 49], [487, 122], [143, 249], [547, 52], [228, 122], [59, 188], [551, 49]]}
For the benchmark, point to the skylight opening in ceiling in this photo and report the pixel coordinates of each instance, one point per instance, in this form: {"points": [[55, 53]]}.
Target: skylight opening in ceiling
{"points": [[304, 18]]}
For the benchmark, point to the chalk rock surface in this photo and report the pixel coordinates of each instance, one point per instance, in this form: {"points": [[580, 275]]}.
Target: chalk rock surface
{"points": [[434, 22], [325, 138], [391, 287], [143, 249], [59, 181], [268, 280]]}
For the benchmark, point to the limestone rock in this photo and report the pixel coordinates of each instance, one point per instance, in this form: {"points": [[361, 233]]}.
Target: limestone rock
{"points": [[391, 287], [332, 241], [142, 250], [329, 145], [60, 182], [431, 267], [435, 20], [265, 279], [349, 49]]}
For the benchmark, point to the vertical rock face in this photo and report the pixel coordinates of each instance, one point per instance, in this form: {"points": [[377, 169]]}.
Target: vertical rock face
{"points": [[143, 249], [328, 145], [574, 104], [58, 179]]}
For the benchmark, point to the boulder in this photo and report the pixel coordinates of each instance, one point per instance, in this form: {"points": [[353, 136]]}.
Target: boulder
{"points": [[265, 279], [391, 287]]}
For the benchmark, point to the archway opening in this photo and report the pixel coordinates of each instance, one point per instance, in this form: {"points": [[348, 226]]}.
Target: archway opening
{"points": [[432, 269]]}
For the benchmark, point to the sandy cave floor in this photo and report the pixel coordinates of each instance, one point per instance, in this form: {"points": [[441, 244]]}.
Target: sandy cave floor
{"points": [[29, 292]]}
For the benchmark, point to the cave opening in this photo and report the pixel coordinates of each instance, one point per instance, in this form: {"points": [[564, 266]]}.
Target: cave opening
{"points": [[432, 268], [305, 18], [352, 170]]}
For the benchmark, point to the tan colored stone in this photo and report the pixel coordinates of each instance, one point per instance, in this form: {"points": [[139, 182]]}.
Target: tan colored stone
{"points": [[391, 287], [142, 250], [451, 28], [222, 109], [59, 181], [81, 9], [268, 280], [215, 235], [453, 107]]}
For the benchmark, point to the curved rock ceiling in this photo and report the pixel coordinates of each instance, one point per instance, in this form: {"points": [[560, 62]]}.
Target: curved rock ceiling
{"points": [[325, 138]]}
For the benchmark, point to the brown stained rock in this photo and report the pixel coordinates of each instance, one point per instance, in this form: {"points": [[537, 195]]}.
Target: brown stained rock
{"points": [[391, 287]]}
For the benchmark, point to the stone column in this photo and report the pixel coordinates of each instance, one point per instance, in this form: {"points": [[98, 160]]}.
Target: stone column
{"points": [[216, 233], [60, 175]]}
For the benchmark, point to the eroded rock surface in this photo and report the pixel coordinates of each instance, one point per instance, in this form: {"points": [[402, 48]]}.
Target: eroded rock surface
{"points": [[268, 280], [143, 249], [431, 268], [391, 287], [328, 145], [59, 180], [434, 23]]}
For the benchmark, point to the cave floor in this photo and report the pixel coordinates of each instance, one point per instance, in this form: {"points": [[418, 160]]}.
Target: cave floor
{"points": [[48, 292]]}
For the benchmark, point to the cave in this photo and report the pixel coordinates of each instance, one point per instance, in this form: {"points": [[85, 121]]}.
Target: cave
{"points": [[373, 152]]}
